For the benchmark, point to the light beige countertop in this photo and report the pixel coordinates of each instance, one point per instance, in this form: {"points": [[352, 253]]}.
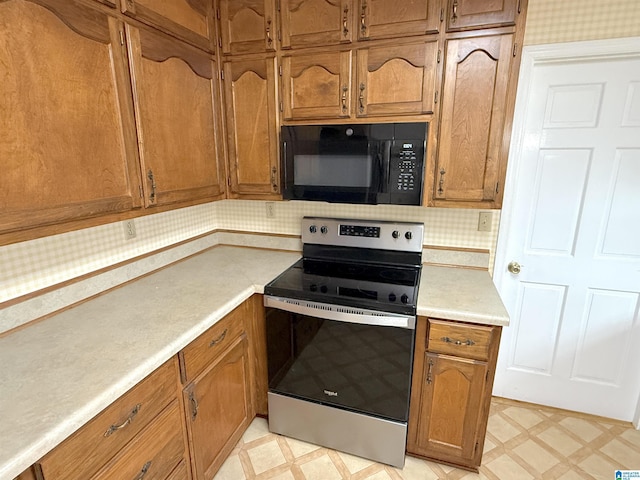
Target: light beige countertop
{"points": [[60, 372]]}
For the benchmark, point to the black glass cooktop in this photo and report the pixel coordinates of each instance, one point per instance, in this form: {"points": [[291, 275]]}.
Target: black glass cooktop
{"points": [[376, 287]]}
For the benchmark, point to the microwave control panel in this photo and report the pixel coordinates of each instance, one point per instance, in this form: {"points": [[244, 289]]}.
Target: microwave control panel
{"points": [[406, 170]]}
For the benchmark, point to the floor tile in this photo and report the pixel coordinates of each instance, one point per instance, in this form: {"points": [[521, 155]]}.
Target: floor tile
{"points": [[320, 469], [504, 467], [265, 457], [587, 431], [625, 457], [560, 441], [536, 456]]}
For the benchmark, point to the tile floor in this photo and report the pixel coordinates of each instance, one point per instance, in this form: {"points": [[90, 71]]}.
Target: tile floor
{"points": [[523, 442]]}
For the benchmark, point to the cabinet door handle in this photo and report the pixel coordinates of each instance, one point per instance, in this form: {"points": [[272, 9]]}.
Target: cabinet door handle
{"points": [[441, 182], [345, 89], [345, 18], [274, 184], [429, 379], [454, 16], [194, 405], [361, 98], [363, 19], [152, 195], [143, 471], [128, 420], [216, 341], [268, 29]]}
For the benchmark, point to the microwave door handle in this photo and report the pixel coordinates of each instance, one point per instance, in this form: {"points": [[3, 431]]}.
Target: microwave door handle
{"points": [[284, 163], [386, 165]]}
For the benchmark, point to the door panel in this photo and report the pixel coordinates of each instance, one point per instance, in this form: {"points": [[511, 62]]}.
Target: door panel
{"points": [[573, 225]]}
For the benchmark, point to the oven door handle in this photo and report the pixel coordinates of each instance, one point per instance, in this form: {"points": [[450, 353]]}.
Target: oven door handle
{"points": [[341, 313]]}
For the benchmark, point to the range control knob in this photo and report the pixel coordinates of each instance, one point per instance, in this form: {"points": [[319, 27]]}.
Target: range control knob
{"points": [[408, 235], [313, 287], [395, 234], [324, 289], [404, 298], [323, 230], [392, 297], [313, 229]]}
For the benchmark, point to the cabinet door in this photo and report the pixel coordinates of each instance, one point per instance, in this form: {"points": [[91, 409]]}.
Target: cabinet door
{"points": [[396, 80], [466, 14], [316, 85], [248, 26], [316, 22], [68, 140], [219, 409], [252, 126], [474, 101], [192, 20], [390, 18], [450, 407], [177, 108]]}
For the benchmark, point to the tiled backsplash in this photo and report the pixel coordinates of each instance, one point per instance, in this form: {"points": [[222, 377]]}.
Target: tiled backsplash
{"points": [[31, 266]]}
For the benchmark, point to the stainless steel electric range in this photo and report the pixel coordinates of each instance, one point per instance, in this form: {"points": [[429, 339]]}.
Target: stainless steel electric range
{"points": [[340, 335]]}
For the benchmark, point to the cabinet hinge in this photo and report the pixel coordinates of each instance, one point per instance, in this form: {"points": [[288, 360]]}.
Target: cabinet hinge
{"points": [[121, 37], [435, 97], [515, 49], [140, 188], [439, 55], [281, 106], [229, 181], [280, 70], [221, 74], [475, 449], [278, 5], [218, 13], [219, 42], [519, 6], [279, 36], [442, 14], [497, 186]]}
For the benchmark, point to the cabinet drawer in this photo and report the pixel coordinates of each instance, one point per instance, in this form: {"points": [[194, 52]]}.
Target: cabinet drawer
{"points": [[154, 453], [461, 340], [91, 447], [180, 472], [205, 349]]}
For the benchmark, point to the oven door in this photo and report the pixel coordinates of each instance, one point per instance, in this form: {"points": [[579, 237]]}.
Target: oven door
{"points": [[353, 359]]}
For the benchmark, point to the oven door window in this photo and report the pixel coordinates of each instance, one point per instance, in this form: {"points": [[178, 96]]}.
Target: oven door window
{"points": [[362, 368]]}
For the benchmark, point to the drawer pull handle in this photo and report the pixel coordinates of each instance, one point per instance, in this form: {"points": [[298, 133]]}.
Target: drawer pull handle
{"points": [[115, 428], [429, 380], [467, 342], [194, 405], [216, 341], [345, 89], [361, 97], [143, 472], [345, 18]]}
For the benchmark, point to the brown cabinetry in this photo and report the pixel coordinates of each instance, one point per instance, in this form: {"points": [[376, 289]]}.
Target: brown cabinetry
{"points": [[474, 132], [392, 19], [309, 23], [141, 431], [467, 14], [177, 117], [390, 80], [218, 397], [247, 26], [451, 390], [68, 144], [191, 20], [252, 126]]}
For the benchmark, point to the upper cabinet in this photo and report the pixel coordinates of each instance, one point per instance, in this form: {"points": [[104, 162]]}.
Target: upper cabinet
{"points": [[307, 23], [252, 126], [247, 26], [191, 20], [177, 115], [466, 14], [390, 80], [68, 144], [387, 19], [396, 80], [471, 152]]}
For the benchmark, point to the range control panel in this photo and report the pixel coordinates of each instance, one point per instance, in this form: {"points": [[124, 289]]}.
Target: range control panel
{"points": [[384, 235]]}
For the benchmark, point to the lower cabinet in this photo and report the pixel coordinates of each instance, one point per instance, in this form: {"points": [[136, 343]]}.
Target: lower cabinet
{"points": [[218, 394], [451, 390], [140, 435]]}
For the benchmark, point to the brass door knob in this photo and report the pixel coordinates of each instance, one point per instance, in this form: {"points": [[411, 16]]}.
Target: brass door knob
{"points": [[514, 267]]}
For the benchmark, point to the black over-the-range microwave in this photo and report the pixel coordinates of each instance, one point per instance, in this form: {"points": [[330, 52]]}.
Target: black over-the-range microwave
{"points": [[381, 163]]}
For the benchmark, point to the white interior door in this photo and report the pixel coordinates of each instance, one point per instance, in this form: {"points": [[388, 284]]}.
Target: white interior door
{"points": [[571, 219]]}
